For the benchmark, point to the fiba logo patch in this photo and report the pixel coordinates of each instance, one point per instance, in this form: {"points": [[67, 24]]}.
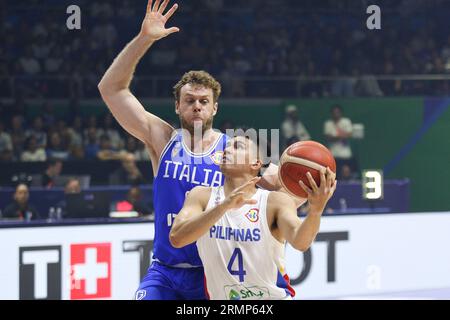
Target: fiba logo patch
{"points": [[216, 157], [252, 215], [140, 294]]}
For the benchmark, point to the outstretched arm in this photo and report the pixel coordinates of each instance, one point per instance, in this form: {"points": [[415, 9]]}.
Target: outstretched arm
{"points": [[301, 234], [193, 221], [115, 84]]}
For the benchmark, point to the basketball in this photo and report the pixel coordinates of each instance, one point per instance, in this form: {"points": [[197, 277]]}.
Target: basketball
{"points": [[298, 159]]}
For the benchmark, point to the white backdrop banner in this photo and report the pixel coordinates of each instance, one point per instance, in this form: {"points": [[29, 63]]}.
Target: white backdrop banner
{"points": [[352, 255]]}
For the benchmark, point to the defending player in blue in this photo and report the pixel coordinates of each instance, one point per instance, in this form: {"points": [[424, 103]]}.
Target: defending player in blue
{"points": [[241, 230]]}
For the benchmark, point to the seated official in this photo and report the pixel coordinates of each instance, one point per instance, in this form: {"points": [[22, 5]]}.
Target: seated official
{"points": [[20, 208]]}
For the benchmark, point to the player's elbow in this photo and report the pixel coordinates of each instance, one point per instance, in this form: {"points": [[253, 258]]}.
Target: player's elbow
{"points": [[176, 240], [106, 88], [101, 86], [302, 246]]}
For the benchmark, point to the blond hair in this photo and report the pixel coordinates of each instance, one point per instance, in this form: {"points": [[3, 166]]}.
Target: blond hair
{"points": [[201, 78]]}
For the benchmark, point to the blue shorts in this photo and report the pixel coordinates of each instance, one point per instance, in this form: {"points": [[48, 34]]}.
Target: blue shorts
{"points": [[169, 283]]}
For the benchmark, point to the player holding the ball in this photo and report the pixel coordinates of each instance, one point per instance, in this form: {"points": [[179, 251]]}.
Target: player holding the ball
{"points": [[241, 230]]}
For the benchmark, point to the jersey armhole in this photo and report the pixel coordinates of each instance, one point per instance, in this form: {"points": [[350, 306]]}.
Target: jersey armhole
{"points": [[265, 221], [163, 153]]}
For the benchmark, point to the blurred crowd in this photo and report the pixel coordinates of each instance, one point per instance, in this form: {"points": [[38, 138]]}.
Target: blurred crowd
{"points": [[235, 41], [338, 131], [46, 137]]}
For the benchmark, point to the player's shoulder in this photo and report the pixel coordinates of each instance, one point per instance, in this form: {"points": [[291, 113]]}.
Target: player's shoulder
{"points": [[200, 190], [201, 193]]}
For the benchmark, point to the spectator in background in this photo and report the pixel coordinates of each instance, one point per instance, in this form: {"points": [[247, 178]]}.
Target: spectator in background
{"points": [[347, 174], [56, 148], [92, 146], [92, 127], [72, 187], [76, 152], [338, 131], [37, 130], [54, 60], [292, 128], [75, 132], [367, 85], [17, 135], [106, 151], [20, 208], [30, 65], [6, 147], [342, 87], [134, 202], [137, 149], [54, 168], [134, 197], [63, 132], [112, 133], [33, 152], [128, 173], [48, 114]]}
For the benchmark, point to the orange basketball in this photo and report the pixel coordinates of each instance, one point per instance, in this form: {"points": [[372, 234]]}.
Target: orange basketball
{"points": [[298, 159]]}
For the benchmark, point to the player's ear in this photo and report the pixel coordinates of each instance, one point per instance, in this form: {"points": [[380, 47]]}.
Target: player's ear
{"points": [[177, 107], [215, 108]]}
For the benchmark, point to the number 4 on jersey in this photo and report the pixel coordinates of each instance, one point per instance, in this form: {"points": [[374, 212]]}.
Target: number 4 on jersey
{"points": [[240, 272]]}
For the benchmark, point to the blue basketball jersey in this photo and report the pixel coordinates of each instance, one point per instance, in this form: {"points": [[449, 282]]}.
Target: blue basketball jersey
{"points": [[179, 171]]}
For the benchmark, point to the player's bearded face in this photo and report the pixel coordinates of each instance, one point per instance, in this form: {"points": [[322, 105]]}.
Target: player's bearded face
{"points": [[196, 108], [190, 124]]}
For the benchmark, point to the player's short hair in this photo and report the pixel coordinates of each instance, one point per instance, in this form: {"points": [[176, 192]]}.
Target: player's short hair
{"points": [[201, 78], [264, 152]]}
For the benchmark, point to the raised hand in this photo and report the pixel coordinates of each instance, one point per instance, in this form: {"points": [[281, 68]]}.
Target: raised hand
{"points": [[319, 196], [153, 26], [237, 199]]}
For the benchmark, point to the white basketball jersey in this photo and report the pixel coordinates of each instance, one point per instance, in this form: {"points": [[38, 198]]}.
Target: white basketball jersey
{"points": [[241, 258]]}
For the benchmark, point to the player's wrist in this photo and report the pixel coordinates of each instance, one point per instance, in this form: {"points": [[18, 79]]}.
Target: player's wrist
{"points": [[145, 38], [316, 209], [225, 205]]}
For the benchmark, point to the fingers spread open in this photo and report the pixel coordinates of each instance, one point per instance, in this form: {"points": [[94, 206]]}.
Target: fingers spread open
{"points": [[312, 182], [251, 182], [334, 185], [163, 6], [171, 11], [323, 181], [172, 30], [149, 6], [330, 177], [305, 187], [156, 6]]}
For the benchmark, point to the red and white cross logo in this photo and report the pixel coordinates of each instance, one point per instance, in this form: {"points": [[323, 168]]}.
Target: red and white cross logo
{"points": [[90, 271]]}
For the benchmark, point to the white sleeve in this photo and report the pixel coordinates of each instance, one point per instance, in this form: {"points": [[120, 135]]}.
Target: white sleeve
{"points": [[303, 133], [346, 125], [329, 129], [287, 130]]}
